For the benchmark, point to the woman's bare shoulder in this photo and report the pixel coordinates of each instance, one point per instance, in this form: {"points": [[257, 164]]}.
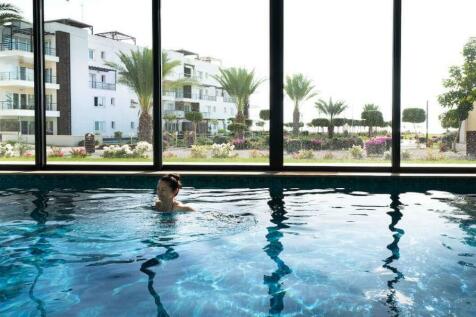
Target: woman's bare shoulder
{"points": [[182, 207]]}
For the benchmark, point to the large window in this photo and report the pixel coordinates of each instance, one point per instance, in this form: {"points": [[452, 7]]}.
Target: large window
{"points": [[98, 64], [349, 68], [17, 97], [338, 82], [215, 104], [438, 62]]}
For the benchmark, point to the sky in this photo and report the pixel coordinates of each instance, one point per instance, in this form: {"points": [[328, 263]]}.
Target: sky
{"points": [[343, 46]]}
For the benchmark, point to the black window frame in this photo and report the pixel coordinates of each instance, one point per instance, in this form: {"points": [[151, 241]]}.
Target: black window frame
{"points": [[276, 75]]}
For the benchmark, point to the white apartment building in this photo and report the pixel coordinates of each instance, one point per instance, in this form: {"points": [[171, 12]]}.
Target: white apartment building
{"points": [[17, 83], [83, 94], [204, 95]]}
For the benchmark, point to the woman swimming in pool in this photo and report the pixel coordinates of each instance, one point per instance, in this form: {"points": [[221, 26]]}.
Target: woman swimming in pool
{"points": [[167, 189]]}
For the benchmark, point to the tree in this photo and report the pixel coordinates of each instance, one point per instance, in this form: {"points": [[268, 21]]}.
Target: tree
{"points": [[319, 123], [136, 71], [291, 125], [195, 117], [460, 94], [260, 124], [214, 123], [9, 13], [240, 84], [264, 114], [332, 110], [415, 116], [372, 117], [169, 118], [449, 119], [299, 89]]}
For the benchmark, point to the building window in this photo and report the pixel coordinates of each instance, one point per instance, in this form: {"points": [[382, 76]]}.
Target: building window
{"points": [[103, 78], [103, 55], [91, 54], [225, 109], [113, 101], [113, 125], [133, 103], [49, 128], [99, 101], [133, 126], [99, 126]]}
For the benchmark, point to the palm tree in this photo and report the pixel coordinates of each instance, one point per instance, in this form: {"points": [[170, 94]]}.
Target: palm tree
{"points": [[195, 117], [240, 84], [372, 116], [298, 88], [370, 107], [9, 13], [136, 71], [331, 110]]}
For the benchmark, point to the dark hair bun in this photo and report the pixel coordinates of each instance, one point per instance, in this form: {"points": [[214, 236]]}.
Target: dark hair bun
{"points": [[176, 176]]}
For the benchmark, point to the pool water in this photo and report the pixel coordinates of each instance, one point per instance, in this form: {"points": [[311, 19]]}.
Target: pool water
{"points": [[256, 251]]}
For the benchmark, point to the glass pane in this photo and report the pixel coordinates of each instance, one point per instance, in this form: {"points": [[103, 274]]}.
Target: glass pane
{"points": [[438, 62], [99, 74], [215, 101], [338, 82], [17, 105]]}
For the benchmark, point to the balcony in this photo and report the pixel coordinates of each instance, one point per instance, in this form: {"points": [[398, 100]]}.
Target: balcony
{"points": [[24, 47], [27, 76], [181, 95], [179, 114], [191, 77], [101, 85], [8, 105], [10, 109]]}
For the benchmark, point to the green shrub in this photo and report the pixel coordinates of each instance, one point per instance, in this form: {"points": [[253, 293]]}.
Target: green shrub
{"points": [[357, 152], [220, 139], [292, 145], [342, 143], [204, 141], [303, 155]]}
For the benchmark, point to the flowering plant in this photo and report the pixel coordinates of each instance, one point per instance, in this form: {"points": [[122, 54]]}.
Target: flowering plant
{"points": [[6, 150], [222, 150], [378, 145]]}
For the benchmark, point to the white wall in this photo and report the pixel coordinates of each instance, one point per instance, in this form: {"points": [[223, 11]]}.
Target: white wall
{"points": [[83, 111]]}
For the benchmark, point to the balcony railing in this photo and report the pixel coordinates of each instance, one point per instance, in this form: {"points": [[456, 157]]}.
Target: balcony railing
{"points": [[9, 105], [229, 99], [181, 95], [24, 47], [177, 113], [27, 76], [101, 85]]}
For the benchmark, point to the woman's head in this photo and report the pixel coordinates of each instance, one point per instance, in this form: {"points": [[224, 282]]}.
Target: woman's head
{"points": [[168, 186]]}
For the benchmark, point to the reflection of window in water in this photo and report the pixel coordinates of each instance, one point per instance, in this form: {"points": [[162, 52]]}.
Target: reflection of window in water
{"points": [[273, 250], [169, 220], [395, 215], [40, 253]]}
